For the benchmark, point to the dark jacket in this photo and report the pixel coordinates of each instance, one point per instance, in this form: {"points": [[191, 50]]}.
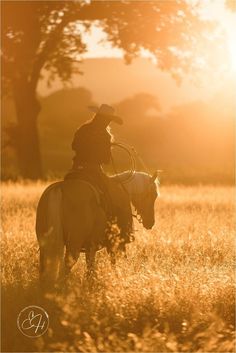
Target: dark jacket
{"points": [[92, 143]]}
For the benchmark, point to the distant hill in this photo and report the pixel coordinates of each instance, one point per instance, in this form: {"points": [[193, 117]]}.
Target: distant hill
{"points": [[110, 80], [192, 142]]}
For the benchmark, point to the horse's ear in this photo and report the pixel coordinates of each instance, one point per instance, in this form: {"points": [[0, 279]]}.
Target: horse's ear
{"points": [[154, 176]]}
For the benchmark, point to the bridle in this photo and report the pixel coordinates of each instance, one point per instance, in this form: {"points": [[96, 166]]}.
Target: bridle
{"points": [[139, 196], [138, 200]]}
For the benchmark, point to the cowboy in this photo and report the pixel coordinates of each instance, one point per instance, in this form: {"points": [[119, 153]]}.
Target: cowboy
{"points": [[92, 145], [92, 141]]}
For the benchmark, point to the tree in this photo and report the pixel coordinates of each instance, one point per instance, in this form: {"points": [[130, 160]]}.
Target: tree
{"points": [[48, 35]]}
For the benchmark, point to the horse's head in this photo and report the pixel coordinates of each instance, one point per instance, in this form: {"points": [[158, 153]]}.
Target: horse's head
{"points": [[143, 195]]}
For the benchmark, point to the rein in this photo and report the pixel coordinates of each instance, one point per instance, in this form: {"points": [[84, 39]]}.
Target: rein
{"points": [[138, 217]]}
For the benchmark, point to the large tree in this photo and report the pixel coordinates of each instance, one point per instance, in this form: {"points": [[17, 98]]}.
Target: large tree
{"points": [[48, 35]]}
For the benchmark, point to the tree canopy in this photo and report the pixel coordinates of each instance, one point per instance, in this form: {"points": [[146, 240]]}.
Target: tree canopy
{"points": [[46, 34], [39, 36]]}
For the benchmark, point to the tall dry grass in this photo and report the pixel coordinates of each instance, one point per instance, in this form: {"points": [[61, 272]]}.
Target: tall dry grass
{"points": [[174, 293]]}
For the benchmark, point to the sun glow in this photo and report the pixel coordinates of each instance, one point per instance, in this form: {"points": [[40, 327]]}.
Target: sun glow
{"points": [[227, 21], [98, 47], [231, 43]]}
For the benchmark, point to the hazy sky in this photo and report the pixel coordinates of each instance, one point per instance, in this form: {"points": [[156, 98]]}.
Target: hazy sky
{"points": [[111, 80]]}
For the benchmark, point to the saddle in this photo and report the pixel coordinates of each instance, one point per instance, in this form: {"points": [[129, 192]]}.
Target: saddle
{"points": [[99, 182], [116, 210]]}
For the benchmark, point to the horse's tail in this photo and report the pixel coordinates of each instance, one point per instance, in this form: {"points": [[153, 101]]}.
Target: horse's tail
{"points": [[49, 230]]}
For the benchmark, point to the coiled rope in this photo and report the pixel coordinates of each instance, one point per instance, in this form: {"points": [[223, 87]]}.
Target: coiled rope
{"points": [[127, 149]]}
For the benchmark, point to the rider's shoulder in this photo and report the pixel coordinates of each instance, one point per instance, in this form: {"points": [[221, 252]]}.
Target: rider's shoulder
{"points": [[83, 127]]}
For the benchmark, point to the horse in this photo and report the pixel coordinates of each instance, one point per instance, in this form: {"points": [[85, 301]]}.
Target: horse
{"points": [[74, 207]]}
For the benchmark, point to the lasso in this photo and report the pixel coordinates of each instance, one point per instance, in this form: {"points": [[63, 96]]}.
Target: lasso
{"points": [[127, 149], [132, 154]]}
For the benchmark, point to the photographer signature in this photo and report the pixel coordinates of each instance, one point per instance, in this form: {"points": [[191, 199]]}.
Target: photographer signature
{"points": [[33, 321]]}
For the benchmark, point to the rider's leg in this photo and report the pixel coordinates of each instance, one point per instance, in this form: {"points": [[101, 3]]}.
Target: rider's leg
{"points": [[122, 211]]}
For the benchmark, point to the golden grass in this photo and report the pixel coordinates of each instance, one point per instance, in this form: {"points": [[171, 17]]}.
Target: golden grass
{"points": [[174, 293]]}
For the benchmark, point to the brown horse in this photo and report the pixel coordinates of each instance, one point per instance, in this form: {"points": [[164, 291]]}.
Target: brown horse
{"points": [[72, 209]]}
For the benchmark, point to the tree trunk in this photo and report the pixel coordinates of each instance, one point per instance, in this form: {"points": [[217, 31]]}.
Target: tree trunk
{"points": [[26, 138]]}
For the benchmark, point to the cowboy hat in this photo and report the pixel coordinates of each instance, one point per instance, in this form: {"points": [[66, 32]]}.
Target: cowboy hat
{"points": [[106, 111]]}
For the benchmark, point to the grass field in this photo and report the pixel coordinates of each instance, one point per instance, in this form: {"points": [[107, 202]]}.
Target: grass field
{"points": [[174, 293]]}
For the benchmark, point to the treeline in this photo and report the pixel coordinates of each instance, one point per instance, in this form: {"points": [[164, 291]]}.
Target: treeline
{"points": [[192, 143]]}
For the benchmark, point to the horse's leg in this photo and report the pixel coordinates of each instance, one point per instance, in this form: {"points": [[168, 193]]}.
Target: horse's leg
{"points": [[90, 260], [122, 250], [112, 253], [50, 267], [113, 258], [115, 252], [41, 263], [70, 261]]}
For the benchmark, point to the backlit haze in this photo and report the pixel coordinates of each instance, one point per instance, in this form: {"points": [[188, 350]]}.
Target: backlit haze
{"points": [[120, 81]]}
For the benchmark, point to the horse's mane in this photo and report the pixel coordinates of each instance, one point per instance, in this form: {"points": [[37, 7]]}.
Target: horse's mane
{"points": [[135, 182]]}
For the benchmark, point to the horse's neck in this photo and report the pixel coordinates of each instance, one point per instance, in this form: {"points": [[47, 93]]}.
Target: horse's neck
{"points": [[134, 184]]}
